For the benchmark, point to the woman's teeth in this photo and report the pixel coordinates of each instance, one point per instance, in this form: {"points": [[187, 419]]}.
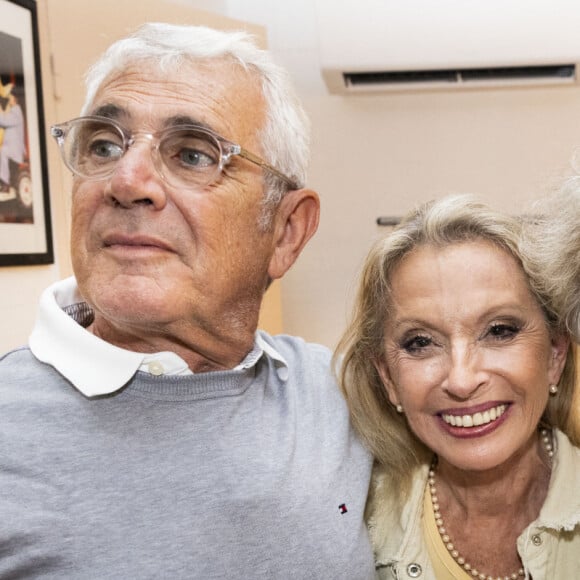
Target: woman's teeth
{"points": [[476, 419]]}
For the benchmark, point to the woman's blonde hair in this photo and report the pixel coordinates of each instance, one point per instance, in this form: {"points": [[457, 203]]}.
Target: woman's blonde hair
{"points": [[451, 220]]}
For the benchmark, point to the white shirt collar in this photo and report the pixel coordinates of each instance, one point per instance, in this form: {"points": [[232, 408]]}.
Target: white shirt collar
{"points": [[96, 367]]}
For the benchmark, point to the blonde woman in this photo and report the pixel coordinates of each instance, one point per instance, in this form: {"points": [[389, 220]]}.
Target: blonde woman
{"points": [[458, 369]]}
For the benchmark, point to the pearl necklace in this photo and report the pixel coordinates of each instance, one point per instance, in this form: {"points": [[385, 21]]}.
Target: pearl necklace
{"points": [[546, 440]]}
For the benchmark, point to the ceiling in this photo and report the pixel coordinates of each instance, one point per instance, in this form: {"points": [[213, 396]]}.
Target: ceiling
{"points": [[292, 34]]}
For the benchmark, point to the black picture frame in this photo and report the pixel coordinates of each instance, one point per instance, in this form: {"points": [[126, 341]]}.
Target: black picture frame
{"points": [[25, 222]]}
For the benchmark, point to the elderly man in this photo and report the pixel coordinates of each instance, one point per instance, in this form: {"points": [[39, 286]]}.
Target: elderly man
{"points": [[149, 431]]}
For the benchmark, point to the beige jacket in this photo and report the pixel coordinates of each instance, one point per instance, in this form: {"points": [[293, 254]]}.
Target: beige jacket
{"points": [[549, 547]]}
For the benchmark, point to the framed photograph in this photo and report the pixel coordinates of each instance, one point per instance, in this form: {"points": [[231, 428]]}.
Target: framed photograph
{"points": [[25, 227]]}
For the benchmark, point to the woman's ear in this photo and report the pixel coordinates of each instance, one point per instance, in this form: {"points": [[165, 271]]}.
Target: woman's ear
{"points": [[559, 348], [383, 370], [296, 221]]}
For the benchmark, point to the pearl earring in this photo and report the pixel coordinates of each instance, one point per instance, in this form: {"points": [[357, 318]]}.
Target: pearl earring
{"points": [[399, 408], [553, 390]]}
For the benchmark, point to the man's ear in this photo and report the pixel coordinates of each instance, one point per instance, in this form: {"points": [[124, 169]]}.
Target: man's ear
{"points": [[385, 375], [295, 223]]}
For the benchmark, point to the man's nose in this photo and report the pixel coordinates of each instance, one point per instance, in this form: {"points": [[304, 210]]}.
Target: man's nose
{"points": [[136, 180]]}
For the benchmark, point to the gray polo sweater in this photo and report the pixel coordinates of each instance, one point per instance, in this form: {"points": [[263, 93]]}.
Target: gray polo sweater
{"points": [[233, 474]]}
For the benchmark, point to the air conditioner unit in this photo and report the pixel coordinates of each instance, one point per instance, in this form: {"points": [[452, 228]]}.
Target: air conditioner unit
{"points": [[397, 45]]}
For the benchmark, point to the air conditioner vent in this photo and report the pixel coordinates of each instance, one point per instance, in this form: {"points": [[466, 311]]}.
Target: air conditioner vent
{"points": [[448, 78], [558, 71]]}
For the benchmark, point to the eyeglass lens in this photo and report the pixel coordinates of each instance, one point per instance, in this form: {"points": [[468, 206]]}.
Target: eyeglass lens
{"points": [[185, 156]]}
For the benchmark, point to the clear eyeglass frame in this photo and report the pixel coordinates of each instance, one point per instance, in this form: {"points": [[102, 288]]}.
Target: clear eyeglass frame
{"points": [[92, 146]]}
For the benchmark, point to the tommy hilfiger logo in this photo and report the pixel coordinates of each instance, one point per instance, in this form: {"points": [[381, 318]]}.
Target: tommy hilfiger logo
{"points": [[342, 508]]}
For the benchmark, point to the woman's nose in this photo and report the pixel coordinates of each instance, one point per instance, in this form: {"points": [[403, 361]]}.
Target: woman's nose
{"points": [[464, 373]]}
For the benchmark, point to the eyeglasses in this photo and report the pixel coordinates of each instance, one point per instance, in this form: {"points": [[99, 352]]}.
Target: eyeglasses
{"points": [[185, 156]]}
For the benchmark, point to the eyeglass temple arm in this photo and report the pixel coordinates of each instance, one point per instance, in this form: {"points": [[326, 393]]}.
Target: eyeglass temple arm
{"points": [[255, 159]]}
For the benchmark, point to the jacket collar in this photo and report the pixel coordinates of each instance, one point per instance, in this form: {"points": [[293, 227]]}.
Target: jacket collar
{"points": [[557, 514], [397, 541], [394, 541]]}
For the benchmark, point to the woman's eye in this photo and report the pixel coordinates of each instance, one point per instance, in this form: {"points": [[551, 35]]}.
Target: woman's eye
{"points": [[503, 331], [417, 344]]}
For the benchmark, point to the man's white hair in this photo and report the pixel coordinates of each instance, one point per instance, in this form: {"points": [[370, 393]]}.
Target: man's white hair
{"points": [[286, 135]]}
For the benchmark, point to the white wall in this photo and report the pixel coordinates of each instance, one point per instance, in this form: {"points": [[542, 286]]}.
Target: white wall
{"points": [[20, 288], [379, 155]]}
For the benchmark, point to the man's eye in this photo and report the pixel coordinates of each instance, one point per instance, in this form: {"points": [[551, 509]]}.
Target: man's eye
{"points": [[417, 343], [502, 331], [105, 149], [183, 150], [194, 158]]}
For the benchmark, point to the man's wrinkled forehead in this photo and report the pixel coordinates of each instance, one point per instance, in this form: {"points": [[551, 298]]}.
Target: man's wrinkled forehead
{"points": [[217, 94], [125, 117]]}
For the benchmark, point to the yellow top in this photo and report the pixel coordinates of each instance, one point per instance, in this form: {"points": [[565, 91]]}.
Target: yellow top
{"points": [[445, 567]]}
